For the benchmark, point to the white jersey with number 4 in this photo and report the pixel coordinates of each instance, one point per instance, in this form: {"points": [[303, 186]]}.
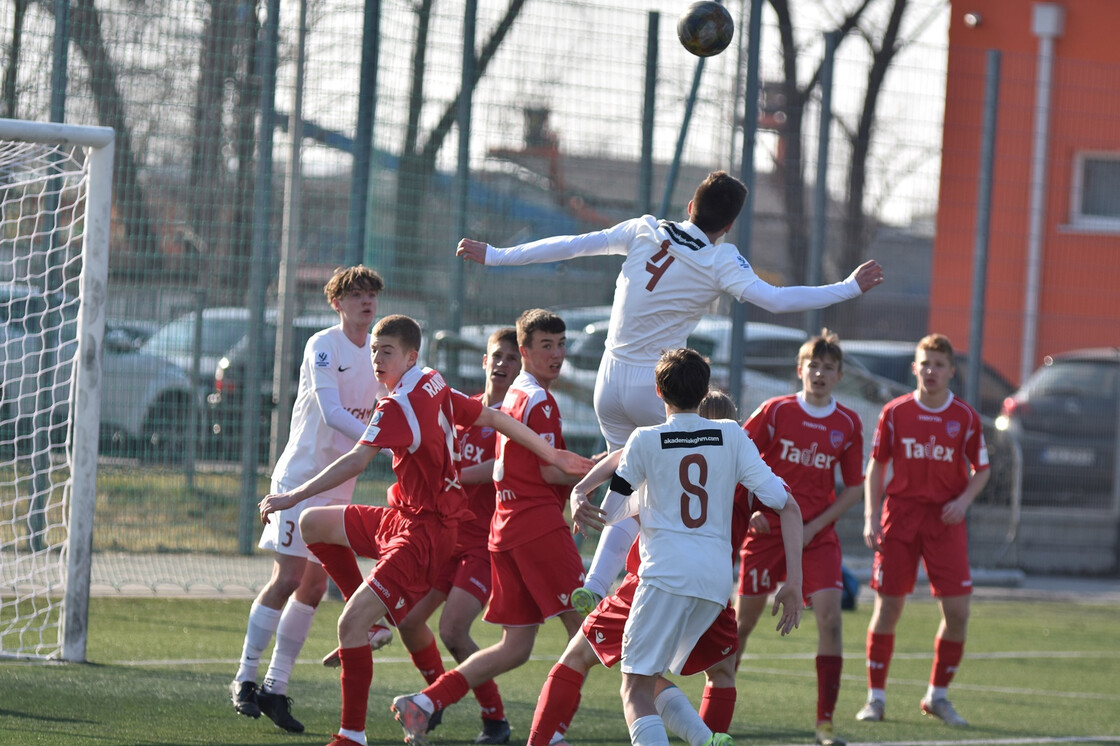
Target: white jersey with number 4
{"points": [[690, 466], [670, 277]]}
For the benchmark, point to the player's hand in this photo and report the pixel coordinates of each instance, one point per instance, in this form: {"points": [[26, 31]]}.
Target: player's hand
{"points": [[868, 275], [272, 503], [473, 250], [952, 512], [789, 598], [872, 534], [572, 463], [758, 523], [587, 517]]}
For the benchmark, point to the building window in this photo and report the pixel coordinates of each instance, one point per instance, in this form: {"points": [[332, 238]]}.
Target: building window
{"points": [[1096, 191]]}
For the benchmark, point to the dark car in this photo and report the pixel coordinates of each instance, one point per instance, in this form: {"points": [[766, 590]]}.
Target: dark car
{"points": [[1064, 420], [892, 358], [226, 401]]}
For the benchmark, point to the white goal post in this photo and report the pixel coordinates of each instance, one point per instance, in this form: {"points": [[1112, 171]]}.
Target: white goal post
{"points": [[55, 198]]}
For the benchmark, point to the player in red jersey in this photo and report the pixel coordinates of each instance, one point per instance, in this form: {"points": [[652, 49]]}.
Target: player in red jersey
{"points": [[534, 562], [934, 444], [805, 438], [414, 536], [463, 585]]}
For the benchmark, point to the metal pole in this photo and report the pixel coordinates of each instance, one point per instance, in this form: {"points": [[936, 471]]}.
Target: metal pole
{"points": [[645, 171], [260, 273], [746, 218], [982, 231], [820, 189], [675, 166], [462, 178], [290, 241], [363, 134]]}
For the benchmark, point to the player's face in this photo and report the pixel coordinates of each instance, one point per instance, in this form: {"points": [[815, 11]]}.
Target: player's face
{"points": [[819, 376], [358, 306], [390, 360], [502, 363], [933, 370], [544, 356]]}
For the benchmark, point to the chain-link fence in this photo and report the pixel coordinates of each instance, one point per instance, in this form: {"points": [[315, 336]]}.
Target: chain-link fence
{"points": [[577, 120]]}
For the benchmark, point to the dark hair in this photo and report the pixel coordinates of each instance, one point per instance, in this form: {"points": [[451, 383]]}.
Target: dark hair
{"points": [[347, 279], [505, 334], [825, 344], [718, 200], [405, 329], [717, 405], [682, 377], [537, 320], [937, 343]]}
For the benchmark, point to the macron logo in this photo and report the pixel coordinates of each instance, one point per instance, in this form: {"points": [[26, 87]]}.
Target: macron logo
{"points": [[400, 603], [599, 637], [547, 411]]}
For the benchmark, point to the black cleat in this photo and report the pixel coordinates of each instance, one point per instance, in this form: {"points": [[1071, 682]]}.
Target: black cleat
{"points": [[243, 694], [278, 708], [494, 731], [435, 719]]}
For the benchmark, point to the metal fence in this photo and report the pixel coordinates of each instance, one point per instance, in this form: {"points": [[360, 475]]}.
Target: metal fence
{"points": [[582, 112]]}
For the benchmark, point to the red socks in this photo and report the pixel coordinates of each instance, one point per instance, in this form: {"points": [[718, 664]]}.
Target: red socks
{"points": [[828, 685], [341, 564], [428, 662], [357, 674], [489, 700], [556, 705], [448, 689], [880, 648], [947, 656], [717, 707]]}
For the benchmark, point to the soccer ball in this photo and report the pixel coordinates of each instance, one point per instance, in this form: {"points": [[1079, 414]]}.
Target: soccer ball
{"points": [[705, 28]]}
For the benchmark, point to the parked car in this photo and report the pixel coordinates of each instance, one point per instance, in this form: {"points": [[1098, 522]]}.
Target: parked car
{"points": [[1064, 420], [146, 401], [892, 358], [37, 346], [226, 399], [222, 328]]}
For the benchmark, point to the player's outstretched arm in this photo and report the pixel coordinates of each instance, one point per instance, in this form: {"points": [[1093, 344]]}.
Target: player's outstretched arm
{"points": [[471, 250], [347, 466], [566, 461]]}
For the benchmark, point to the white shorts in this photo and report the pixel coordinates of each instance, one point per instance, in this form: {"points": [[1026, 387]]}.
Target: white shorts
{"points": [[282, 534], [625, 399], [663, 629]]}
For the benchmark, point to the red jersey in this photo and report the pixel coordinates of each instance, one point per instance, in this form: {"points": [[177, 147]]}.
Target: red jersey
{"points": [[477, 446], [416, 421], [805, 449], [930, 450], [527, 506]]}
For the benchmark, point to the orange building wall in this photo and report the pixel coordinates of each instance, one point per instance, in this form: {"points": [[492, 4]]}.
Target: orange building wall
{"points": [[1079, 304]]}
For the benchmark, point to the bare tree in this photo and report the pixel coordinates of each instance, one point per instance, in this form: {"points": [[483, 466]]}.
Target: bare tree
{"points": [[128, 194], [8, 95], [418, 163]]}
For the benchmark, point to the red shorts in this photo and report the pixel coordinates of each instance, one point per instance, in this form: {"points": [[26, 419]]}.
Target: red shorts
{"points": [[913, 530], [605, 624], [408, 550], [762, 565], [534, 582], [469, 570]]}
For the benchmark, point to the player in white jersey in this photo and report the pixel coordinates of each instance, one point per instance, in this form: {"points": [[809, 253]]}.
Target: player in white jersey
{"points": [[690, 467], [671, 275], [336, 395]]}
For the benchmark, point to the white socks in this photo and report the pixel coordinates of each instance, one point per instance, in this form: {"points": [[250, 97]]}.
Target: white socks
{"points": [[262, 625], [353, 735], [649, 731], [610, 556], [295, 624], [681, 717]]}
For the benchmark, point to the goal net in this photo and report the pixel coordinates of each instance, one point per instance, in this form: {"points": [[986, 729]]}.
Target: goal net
{"points": [[55, 184]]}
